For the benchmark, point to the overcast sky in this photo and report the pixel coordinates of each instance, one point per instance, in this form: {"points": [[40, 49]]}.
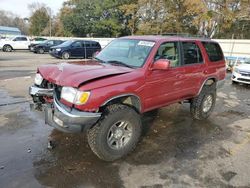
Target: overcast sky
{"points": [[20, 7]]}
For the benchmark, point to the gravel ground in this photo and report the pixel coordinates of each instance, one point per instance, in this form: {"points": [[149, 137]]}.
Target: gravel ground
{"points": [[175, 150]]}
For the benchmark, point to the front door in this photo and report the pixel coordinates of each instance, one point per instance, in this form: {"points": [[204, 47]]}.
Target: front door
{"points": [[163, 86], [77, 49]]}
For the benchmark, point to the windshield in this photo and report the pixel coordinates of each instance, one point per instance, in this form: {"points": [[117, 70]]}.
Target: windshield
{"points": [[67, 43], [242, 62], [128, 52], [247, 61], [44, 42]]}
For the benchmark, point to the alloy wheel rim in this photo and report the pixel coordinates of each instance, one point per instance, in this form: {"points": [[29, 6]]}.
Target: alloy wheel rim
{"points": [[8, 49], [119, 135], [66, 56], [208, 103]]}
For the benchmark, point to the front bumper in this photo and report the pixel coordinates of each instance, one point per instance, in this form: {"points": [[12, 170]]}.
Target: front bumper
{"points": [[54, 53], [237, 77], [70, 121], [62, 117]]}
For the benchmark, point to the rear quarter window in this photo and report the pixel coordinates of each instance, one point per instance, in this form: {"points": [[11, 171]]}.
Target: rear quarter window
{"points": [[214, 51]]}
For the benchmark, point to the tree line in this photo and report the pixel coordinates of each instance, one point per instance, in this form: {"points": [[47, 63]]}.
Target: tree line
{"points": [[114, 18]]}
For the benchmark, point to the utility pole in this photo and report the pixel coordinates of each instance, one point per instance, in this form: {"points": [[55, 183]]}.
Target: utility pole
{"points": [[50, 22]]}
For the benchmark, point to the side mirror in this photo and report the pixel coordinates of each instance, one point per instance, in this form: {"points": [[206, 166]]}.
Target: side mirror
{"points": [[96, 53], [161, 64]]}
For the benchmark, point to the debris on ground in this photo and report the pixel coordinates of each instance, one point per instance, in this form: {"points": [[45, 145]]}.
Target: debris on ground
{"points": [[51, 145]]}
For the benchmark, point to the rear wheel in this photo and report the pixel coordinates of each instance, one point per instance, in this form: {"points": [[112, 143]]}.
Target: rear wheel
{"points": [[116, 133], [202, 106], [65, 55], [7, 48]]}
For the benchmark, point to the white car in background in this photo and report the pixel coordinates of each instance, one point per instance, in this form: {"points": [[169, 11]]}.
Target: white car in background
{"points": [[15, 43], [241, 72]]}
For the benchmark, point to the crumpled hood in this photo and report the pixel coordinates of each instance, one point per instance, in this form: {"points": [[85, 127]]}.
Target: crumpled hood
{"points": [[244, 67], [74, 74]]}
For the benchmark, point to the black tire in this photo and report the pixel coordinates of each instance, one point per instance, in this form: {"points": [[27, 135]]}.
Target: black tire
{"points": [[40, 51], [98, 135], [65, 55], [197, 106], [7, 48], [233, 82]]}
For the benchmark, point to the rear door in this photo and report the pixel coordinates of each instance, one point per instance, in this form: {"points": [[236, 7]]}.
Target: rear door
{"points": [[193, 66], [215, 59]]}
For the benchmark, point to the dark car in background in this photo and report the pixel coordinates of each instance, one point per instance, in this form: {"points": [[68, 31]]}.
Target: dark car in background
{"points": [[36, 41], [46, 45], [76, 49]]}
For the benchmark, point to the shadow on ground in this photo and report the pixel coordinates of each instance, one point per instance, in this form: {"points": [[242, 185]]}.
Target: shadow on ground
{"points": [[169, 134]]}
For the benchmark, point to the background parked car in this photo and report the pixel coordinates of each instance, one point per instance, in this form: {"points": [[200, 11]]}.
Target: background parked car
{"points": [[76, 49], [46, 45], [15, 43], [241, 72], [36, 41]]}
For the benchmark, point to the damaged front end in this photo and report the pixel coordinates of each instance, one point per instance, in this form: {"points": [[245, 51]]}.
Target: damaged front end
{"points": [[46, 97]]}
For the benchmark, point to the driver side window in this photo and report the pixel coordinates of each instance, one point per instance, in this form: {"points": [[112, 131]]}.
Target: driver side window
{"points": [[169, 51], [77, 44]]}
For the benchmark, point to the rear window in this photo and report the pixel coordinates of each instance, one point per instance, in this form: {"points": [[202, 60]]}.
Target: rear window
{"points": [[95, 44], [214, 51]]}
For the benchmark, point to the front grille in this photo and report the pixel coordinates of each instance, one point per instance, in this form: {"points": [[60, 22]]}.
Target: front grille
{"points": [[244, 80], [46, 84], [244, 74]]}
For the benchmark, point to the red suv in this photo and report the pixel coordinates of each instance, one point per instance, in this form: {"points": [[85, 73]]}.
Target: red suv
{"points": [[106, 96]]}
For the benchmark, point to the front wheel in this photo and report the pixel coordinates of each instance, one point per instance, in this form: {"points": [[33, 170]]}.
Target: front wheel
{"points": [[202, 106], [65, 55], [41, 51], [116, 133]]}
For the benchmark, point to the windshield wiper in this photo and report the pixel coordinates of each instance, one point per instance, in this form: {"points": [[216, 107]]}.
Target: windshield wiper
{"points": [[100, 60], [119, 63]]}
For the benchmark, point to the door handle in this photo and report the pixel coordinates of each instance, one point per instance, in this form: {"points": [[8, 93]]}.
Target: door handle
{"points": [[205, 71], [179, 76]]}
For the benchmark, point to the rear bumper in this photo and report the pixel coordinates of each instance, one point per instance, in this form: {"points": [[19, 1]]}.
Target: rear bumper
{"points": [[61, 117]]}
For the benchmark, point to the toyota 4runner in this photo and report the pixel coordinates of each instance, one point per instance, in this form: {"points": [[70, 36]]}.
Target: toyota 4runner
{"points": [[107, 95]]}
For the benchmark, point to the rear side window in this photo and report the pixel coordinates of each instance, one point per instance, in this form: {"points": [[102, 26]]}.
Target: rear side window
{"points": [[51, 42], [20, 39], [213, 50], [191, 53], [58, 42], [23, 39]]}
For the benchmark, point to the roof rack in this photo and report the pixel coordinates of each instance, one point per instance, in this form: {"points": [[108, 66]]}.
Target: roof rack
{"points": [[185, 35]]}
